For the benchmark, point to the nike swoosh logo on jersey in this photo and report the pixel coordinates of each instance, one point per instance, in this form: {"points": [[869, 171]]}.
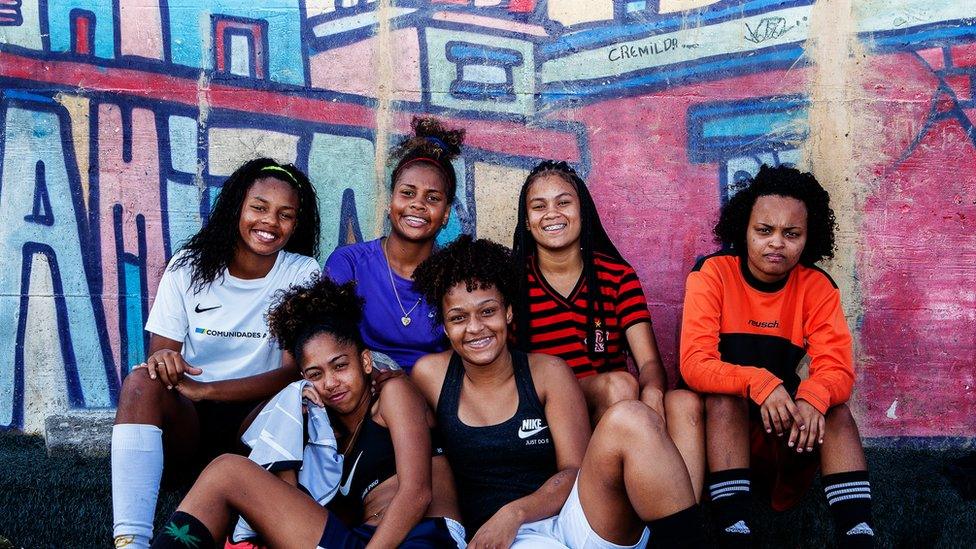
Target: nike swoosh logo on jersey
{"points": [[345, 486], [523, 434], [205, 309]]}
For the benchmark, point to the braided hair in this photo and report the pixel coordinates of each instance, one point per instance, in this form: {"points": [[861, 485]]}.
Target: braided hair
{"points": [[593, 239], [320, 306], [431, 144], [209, 252]]}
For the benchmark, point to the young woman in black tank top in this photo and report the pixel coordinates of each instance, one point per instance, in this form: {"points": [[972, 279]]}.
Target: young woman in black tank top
{"points": [[396, 489], [516, 431]]}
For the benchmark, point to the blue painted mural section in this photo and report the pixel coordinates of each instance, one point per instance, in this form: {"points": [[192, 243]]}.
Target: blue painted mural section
{"points": [[134, 343], [285, 55], [718, 130], [61, 17], [36, 131], [344, 162]]}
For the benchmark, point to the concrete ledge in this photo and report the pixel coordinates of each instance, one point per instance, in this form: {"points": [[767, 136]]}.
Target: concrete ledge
{"points": [[922, 443], [89, 433], [85, 432]]}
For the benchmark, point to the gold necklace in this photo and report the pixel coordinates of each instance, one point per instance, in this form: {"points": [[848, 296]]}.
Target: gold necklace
{"points": [[405, 319], [359, 426]]}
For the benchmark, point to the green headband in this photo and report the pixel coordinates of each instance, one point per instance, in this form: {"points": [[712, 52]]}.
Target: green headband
{"points": [[279, 169]]}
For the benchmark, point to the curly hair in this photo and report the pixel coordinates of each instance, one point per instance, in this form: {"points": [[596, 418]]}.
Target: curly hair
{"points": [[479, 264], [320, 306], [433, 144], [593, 239], [730, 231], [211, 250]]}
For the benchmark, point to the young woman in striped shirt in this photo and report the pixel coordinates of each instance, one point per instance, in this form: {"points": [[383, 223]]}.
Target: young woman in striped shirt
{"points": [[578, 299]]}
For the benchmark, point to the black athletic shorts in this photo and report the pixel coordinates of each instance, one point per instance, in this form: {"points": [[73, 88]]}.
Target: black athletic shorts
{"points": [[220, 433], [220, 428]]}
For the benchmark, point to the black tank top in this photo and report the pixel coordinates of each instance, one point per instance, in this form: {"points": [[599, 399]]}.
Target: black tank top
{"points": [[496, 464], [369, 462]]}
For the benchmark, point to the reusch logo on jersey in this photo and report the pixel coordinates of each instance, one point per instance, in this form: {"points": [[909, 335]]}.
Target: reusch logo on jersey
{"points": [[218, 333], [531, 428], [770, 324]]}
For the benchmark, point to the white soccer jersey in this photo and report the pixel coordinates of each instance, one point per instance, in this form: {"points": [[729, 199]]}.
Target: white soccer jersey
{"points": [[222, 327]]}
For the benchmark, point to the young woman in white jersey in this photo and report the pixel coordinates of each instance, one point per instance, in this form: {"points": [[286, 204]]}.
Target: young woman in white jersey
{"points": [[210, 361]]}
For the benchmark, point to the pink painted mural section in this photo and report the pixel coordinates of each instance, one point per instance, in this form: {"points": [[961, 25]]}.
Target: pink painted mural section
{"points": [[129, 199], [917, 263], [332, 69], [657, 205], [141, 28]]}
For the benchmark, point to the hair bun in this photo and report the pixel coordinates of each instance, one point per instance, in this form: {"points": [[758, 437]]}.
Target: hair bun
{"points": [[432, 129], [430, 138]]}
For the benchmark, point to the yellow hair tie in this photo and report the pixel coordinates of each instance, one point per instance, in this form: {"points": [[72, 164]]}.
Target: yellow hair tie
{"points": [[279, 169]]}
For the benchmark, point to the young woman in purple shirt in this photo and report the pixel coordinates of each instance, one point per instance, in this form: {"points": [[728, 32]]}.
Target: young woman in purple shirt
{"points": [[396, 320]]}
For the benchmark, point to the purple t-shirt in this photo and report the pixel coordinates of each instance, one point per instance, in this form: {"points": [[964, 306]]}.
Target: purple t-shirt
{"points": [[382, 328]]}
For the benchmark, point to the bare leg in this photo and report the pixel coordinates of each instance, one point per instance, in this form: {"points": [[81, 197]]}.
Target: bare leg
{"points": [[683, 409], [153, 426], [726, 432], [280, 512], [631, 474], [686, 427], [842, 449], [146, 401], [604, 390], [727, 439]]}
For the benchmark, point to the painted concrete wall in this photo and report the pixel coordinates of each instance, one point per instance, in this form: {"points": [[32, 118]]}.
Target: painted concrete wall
{"points": [[119, 120]]}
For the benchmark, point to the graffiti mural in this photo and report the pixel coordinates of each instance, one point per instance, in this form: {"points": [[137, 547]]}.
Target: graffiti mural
{"points": [[120, 119]]}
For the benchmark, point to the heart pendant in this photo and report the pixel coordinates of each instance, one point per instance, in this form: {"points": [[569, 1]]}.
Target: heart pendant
{"points": [[405, 320]]}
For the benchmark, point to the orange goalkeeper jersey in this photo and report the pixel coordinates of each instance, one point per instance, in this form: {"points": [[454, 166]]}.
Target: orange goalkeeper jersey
{"points": [[741, 336]]}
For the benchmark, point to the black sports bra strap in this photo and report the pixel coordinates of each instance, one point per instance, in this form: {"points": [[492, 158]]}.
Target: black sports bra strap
{"points": [[450, 397], [528, 397]]}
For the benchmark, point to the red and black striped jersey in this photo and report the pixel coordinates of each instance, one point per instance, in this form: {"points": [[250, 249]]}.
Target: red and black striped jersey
{"points": [[557, 324]]}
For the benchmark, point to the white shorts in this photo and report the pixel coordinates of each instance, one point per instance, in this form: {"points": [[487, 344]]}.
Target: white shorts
{"points": [[568, 529]]}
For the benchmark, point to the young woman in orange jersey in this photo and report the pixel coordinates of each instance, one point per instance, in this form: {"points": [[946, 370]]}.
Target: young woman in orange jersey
{"points": [[579, 300], [751, 313]]}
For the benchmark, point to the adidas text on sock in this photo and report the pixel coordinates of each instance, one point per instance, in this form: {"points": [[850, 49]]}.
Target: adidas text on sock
{"points": [[731, 501]]}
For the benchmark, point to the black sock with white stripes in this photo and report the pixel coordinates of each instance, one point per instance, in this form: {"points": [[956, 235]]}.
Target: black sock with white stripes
{"points": [[729, 491], [849, 497]]}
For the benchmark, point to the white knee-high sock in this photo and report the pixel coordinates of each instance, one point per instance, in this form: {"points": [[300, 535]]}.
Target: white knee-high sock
{"points": [[137, 467]]}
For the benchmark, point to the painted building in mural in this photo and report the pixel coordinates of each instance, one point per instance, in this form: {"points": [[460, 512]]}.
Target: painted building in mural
{"points": [[119, 119]]}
